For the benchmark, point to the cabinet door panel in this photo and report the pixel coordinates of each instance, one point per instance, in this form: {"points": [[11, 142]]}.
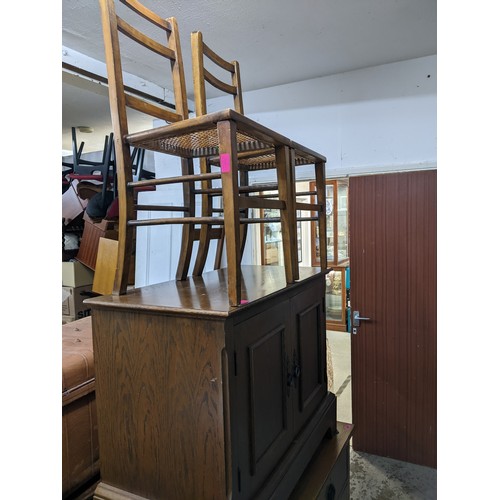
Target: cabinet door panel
{"points": [[263, 411], [308, 318]]}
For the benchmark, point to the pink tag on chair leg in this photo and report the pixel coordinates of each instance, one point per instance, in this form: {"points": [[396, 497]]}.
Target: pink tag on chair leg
{"points": [[225, 163]]}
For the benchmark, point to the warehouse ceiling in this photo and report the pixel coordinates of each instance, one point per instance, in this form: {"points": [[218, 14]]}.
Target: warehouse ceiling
{"points": [[275, 41]]}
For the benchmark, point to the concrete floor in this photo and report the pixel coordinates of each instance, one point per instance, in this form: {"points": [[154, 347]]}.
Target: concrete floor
{"points": [[373, 477]]}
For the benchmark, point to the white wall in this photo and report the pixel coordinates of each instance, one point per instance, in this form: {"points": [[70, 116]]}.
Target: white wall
{"points": [[371, 120]]}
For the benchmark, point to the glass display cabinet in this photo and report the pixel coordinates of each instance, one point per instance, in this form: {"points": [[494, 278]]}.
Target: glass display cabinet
{"points": [[337, 234], [337, 224], [337, 298]]}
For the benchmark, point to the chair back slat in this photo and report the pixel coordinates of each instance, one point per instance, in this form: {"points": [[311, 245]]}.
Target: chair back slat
{"points": [[144, 40], [152, 109], [147, 14], [217, 59], [215, 82]]}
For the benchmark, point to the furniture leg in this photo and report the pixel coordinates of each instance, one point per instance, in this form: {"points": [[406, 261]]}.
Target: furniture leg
{"points": [[321, 200], [286, 190], [229, 173]]}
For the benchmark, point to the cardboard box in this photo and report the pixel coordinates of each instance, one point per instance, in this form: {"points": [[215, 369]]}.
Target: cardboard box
{"points": [[271, 255], [68, 319], [72, 301], [75, 274]]}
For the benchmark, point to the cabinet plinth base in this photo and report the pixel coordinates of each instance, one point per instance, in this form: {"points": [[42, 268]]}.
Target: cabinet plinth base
{"points": [[284, 479], [107, 492]]}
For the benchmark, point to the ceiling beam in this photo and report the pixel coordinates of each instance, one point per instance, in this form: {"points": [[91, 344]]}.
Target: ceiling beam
{"points": [[95, 72]]}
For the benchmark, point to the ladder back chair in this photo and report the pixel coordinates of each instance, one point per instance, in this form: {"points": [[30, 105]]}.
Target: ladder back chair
{"points": [[199, 50], [259, 158], [129, 159]]}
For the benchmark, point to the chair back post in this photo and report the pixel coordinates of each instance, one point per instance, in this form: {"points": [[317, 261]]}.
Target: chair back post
{"points": [[200, 98], [238, 97]]}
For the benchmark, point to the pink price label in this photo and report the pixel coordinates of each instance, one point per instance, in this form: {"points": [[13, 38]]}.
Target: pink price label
{"points": [[225, 163]]}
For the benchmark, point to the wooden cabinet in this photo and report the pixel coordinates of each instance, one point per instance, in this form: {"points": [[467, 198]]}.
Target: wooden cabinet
{"points": [[197, 399]]}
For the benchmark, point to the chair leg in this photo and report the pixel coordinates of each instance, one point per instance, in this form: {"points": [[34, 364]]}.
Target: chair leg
{"points": [[321, 200], [126, 212], [243, 227], [229, 173], [219, 251], [206, 211], [286, 190], [188, 232]]}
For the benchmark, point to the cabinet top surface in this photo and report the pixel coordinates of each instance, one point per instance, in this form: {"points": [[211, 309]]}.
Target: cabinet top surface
{"points": [[206, 294]]}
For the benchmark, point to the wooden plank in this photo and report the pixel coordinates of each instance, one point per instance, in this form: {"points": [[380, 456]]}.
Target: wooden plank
{"points": [[105, 267]]}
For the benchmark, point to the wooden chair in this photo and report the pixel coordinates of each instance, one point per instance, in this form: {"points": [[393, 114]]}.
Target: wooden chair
{"points": [[263, 158], [82, 169], [199, 50], [129, 160], [225, 135]]}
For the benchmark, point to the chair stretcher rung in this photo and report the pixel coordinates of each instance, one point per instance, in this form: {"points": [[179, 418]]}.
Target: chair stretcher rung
{"points": [[311, 207], [161, 208], [176, 220], [273, 219], [175, 180]]}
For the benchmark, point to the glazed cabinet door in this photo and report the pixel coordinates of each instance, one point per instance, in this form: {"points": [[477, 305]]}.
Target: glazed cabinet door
{"points": [[308, 334], [261, 409]]}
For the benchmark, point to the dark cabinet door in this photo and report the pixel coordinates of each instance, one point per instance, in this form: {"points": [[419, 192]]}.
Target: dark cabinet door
{"points": [[262, 408], [308, 353]]}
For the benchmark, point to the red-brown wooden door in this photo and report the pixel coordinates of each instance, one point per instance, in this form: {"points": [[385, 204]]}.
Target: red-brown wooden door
{"points": [[393, 282]]}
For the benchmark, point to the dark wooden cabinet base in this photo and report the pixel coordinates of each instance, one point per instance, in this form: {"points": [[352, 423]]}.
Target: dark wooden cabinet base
{"points": [[197, 399], [327, 475]]}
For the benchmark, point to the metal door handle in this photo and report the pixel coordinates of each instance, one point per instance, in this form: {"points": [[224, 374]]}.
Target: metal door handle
{"points": [[356, 318]]}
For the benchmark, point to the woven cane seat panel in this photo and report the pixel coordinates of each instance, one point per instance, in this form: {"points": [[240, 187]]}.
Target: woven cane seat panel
{"points": [[197, 144]]}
